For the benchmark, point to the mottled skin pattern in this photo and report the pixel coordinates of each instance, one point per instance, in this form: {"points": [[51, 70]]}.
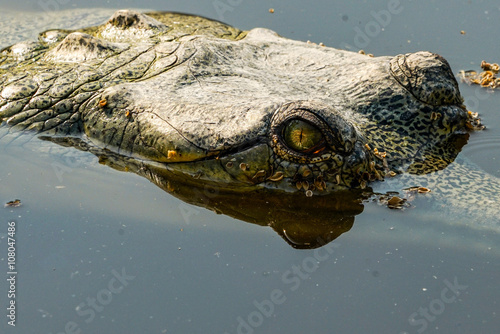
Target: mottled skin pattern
{"points": [[215, 103]]}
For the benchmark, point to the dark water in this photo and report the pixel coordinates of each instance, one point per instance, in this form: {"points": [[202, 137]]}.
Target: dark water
{"points": [[101, 251]]}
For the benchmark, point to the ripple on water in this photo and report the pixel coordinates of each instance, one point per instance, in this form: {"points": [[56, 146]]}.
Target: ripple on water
{"points": [[484, 151]]}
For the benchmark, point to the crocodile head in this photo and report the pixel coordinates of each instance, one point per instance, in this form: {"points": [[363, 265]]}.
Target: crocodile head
{"points": [[241, 110]]}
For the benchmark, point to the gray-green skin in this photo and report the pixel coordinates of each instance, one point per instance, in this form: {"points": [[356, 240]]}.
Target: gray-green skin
{"points": [[211, 102]]}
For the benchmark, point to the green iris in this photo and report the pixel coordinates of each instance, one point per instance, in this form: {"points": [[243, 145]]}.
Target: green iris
{"points": [[301, 136]]}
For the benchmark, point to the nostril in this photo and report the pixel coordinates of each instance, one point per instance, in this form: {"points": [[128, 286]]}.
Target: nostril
{"points": [[439, 93], [427, 76]]}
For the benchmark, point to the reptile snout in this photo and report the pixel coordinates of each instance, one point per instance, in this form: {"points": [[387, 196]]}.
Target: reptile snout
{"points": [[428, 77]]}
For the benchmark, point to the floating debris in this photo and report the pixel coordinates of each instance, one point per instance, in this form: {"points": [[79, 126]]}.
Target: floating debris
{"points": [[420, 190], [488, 78], [259, 176], [363, 52], [423, 190], [319, 183], [13, 204], [278, 176], [171, 154], [490, 67], [396, 202], [474, 122]]}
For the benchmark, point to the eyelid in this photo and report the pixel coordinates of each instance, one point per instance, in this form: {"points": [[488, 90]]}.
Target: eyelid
{"points": [[338, 134]]}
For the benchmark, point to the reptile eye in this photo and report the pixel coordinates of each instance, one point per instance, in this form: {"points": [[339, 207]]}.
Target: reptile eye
{"points": [[303, 137]]}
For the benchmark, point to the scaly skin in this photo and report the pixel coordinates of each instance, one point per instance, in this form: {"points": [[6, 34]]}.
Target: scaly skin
{"points": [[214, 103], [225, 119]]}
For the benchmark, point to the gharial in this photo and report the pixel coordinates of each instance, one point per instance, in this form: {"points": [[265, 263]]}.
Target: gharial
{"points": [[240, 109]]}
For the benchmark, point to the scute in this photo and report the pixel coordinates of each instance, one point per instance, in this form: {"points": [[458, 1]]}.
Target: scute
{"points": [[19, 90], [80, 47], [131, 25], [126, 19]]}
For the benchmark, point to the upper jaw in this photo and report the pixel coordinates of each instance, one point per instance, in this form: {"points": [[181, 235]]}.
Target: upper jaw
{"points": [[427, 76]]}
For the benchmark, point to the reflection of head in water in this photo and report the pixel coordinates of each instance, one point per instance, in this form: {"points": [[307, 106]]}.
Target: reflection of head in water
{"points": [[303, 222], [308, 234]]}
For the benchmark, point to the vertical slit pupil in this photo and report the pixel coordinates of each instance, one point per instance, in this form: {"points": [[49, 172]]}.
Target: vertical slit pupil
{"points": [[301, 136]]}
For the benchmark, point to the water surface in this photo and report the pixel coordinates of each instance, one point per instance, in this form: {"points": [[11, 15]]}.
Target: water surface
{"points": [[186, 269]]}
